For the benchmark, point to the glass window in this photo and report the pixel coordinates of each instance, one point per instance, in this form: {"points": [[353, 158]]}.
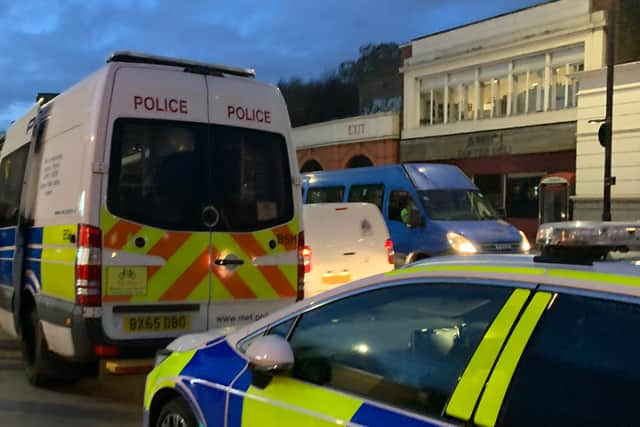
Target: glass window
{"points": [[466, 101], [500, 96], [491, 187], [425, 108], [519, 96], [536, 91], [367, 194], [405, 345], [485, 99], [580, 367], [282, 329], [559, 87], [400, 206], [164, 173], [453, 108], [574, 85], [325, 194], [456, 205], [522, 196], [438, 105], [12, 170]]}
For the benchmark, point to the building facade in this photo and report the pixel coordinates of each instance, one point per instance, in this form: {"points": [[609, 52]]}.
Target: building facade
{"points": [[369, 140], [499, 99]]}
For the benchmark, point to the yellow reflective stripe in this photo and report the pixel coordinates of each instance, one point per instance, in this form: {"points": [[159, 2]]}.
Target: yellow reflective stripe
{"points": [[493, 396], [67, 254], [614, 279], [58, 280], [150, 235], [470, 269], [201, 291], [177, 264], [466, 394], [218, 290], [59, 234], [164, 375], [307, 405], [107, 221]]}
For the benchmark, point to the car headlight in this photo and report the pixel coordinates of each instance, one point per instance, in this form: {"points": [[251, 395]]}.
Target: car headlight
{"points": [[161, 356], [525, 246], [461, 244]]}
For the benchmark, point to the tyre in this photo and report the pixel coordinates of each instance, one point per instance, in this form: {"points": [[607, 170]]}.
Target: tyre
{"points": [[35, 354], [176, 413]]}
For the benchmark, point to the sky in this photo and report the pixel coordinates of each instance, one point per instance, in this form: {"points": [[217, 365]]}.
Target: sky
{"points": [[47, 46]]}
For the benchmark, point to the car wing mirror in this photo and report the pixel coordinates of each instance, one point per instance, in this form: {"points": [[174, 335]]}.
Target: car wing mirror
{"points": [[269, 355]]}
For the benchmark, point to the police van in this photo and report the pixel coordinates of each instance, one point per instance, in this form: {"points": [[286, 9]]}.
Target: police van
{"points": [[157, 196]]}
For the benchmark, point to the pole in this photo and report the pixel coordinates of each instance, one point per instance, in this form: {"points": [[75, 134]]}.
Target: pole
{"points": [[608, 179]]}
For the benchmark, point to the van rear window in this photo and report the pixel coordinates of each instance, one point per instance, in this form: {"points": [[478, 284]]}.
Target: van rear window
{"points": [[325, 195], [367, 194], [165, 174]]}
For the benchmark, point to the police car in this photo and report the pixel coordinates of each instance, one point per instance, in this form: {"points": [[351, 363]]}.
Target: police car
{"points": [[486, 340]]}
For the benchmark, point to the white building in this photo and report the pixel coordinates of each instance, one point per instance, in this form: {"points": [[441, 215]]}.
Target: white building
{"points": [[499, 98]]}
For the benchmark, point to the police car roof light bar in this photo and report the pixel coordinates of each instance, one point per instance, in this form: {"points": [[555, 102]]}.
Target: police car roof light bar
{"points": [[207, 68], [583, 242]]}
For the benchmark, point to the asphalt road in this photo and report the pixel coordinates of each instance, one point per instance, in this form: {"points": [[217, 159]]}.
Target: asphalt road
{"points": [[105, 401]]}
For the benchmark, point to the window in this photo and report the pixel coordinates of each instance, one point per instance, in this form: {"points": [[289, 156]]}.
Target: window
{"points": [[580, 367], [456, 205], [400, 205], [311, 166], [535, 91], [404, 345], [11, 177], [519, 97], [486, 101], [164, 174], [500, 96], [522, 196], [325, 194], [453, 108], [367, 194], [491, 187]]}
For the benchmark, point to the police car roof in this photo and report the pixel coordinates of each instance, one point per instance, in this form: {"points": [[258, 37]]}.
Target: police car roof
{"points": [[607, 279]]}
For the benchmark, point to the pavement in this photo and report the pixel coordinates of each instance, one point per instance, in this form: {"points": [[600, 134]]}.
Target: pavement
{"points": [[104, 401]]}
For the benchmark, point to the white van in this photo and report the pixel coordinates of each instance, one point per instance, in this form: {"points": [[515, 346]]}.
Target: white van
{"points": [[160, 197], [344, 242]]}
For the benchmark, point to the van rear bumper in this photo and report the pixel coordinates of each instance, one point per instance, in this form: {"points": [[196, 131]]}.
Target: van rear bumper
{"points": [[74, 337]]}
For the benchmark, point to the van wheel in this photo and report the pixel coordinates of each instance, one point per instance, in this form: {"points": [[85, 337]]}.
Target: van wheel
{"points": [[35, 354], [176, 413]]}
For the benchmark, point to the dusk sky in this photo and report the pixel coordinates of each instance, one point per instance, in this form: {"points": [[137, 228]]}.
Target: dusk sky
{"points": [[46, 46]]}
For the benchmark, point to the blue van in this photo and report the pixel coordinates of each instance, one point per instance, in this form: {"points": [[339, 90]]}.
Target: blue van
{"points": [[430, 209]]}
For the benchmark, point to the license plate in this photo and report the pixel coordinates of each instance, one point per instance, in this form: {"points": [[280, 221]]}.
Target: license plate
{"points": [[174, 322], [336, 279]]}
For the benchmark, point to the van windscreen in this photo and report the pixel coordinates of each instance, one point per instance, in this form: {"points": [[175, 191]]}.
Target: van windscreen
{"points": [[456, 205], [165, 173]]}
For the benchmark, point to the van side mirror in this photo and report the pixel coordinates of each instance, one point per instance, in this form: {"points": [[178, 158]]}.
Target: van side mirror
{"points": [[269, 355], [415, 219]]}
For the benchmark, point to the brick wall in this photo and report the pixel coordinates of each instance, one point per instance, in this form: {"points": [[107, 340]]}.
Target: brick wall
{"points": [[333, 157]]}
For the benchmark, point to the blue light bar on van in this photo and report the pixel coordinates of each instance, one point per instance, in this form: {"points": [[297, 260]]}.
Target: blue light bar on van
{"points": [[144, 58], [590, 234]]}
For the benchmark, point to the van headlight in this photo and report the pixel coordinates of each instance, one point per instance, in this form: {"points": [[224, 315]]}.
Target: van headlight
{"points": [[461, 244], [525, 246]]}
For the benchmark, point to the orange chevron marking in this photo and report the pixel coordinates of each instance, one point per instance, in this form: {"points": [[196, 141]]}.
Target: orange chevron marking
{"points": [[249, 244], [188, 281], [231, 281], [120, 234], [169, 244], [277, 280], [286, 237], [151, 270], [116, 298]]}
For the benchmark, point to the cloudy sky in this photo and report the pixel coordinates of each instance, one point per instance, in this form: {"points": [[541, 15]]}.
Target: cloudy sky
{"points": [[46, 46]]}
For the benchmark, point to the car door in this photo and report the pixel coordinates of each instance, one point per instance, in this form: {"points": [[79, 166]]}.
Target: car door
{"points": [[399, 205], [389, 356]]}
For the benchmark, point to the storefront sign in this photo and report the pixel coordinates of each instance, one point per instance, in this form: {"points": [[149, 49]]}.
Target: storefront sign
{"points": [[484, 145]]}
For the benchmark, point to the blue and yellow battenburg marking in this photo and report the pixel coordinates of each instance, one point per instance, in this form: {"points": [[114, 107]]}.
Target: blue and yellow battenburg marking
{"points": [[206, 374]]}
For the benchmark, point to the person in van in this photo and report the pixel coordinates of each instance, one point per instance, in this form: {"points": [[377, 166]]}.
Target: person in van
{"points": [[430, 209]]}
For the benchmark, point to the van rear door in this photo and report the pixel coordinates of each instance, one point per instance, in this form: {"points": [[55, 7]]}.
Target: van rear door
{"points": [[254, 246], [156, 240]]}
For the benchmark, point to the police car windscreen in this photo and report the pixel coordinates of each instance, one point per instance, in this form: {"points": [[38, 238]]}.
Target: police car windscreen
{"points": [[165, 174], [456, 205]]}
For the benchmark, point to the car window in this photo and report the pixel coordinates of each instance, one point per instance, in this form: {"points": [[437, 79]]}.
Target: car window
{"points": [[580, 367], [367, 194], [405, 345], [325, 195], [400, 206]]}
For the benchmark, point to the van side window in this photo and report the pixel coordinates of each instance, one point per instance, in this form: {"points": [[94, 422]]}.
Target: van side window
{"points": [[367, 194], [325, 195], [400, 205], [11, 177]]}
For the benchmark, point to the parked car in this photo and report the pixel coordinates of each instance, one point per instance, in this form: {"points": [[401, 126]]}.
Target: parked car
{"points": [[344, 242], [509, 340], [430, 209]]}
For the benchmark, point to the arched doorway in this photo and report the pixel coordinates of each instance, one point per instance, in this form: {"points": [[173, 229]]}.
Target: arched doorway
{"points": [[311, 166], [359, 161]]}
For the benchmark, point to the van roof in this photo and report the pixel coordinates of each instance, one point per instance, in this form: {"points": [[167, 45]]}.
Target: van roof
{"points": [[425, 176]]}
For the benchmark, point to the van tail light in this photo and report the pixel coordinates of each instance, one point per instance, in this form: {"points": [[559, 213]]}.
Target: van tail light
{"points": [[306, 257], [301, 267], [89, 266], [388, 245]]}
